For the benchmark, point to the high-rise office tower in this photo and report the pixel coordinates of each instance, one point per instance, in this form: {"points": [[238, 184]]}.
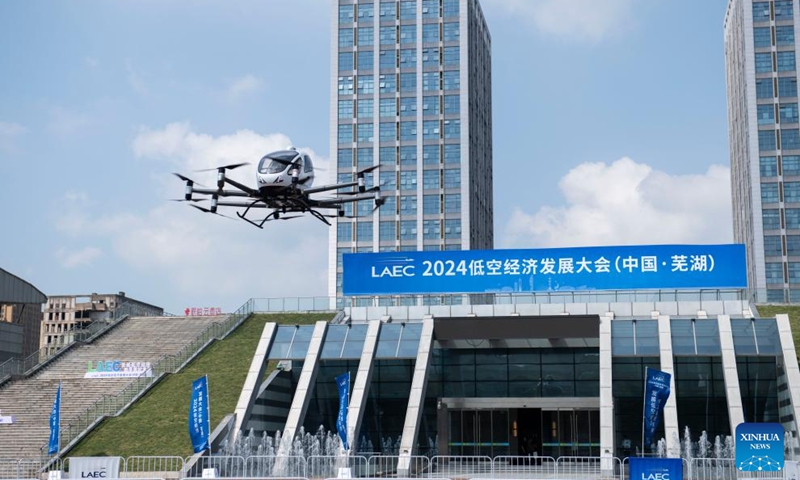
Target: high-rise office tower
{"points": [[411, 90], [764, 130]]}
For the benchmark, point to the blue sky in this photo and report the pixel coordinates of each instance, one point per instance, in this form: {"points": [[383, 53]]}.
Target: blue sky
{"points": [[610, 128]]}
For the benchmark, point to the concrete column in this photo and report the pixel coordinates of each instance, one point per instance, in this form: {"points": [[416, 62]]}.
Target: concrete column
{"points": [[249, 394], [730, 372], [417, 396], [358, 400], [606, 392], [790, 366], [670, 409], [302, 395]]}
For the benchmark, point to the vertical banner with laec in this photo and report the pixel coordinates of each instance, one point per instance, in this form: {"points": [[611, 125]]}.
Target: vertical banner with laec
{"points": [[199, 415], [656, 392], [343, 383], [55, 423]]}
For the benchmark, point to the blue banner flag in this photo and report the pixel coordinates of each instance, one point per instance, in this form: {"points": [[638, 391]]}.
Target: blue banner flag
{"points": [[199, 413], [343, 383], [656, 392], [55, 423], [547, 269]]}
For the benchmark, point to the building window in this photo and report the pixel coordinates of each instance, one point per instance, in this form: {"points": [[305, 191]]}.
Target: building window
{"points": [[344, 231], [430, 105], [450, 31], [792, 219], [452, 203], [766, 140], [762, 37], [388, 180], [388, 107], [772, 246], [450, 8], [452, 129], [430, 33], [452, 81], [430, 155], [766, 114], [364, 158], [786, 62], [366, 36], [365, 108], [408, 107], [346, 133], [408, 82], [408, 230], [365, 132], [366, 85], [760, 11], [366, 60], [408, 205], [345, 158], [387, 156], [430, 57], [408, 10], [408, 156], [408, 34], [408, 58], [769, 193], [430, 81], [775, 296], [771, 218], [793, 245], [345, 13], [388, 59], [783, 9], [345, 109], [452, 178], [388, 83], [430, 8], [790, 139], [768, 166], [452, 228], [774, 272], [451, 56], [389, 207], [388, 10], [791, 192], [791, 165], [346, 61], [788, 113], [431, 229], [764, 62], [452, 154], [764, 87], [431, 204], [345, 37], [388, 131], [364, 231], [430, 179], [408, 180], [387, 230], [345, 85], [784, 35], [408, 131], [787, 86], [430, 130], [344, 177], [388, 35]]}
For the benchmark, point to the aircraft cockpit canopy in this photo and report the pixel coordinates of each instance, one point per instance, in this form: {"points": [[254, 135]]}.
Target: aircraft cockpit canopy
{"points": [[277, 162]]}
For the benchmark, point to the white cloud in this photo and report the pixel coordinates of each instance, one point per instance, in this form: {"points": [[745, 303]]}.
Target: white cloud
{"points": [[591, 20], [78, 258], [629, 203], [8, 132], [243, 86], [66, 123], [195, 255]]}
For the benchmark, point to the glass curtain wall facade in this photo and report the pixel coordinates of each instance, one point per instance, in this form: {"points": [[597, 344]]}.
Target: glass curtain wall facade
{"points": [[764, 136], [411, 92]]}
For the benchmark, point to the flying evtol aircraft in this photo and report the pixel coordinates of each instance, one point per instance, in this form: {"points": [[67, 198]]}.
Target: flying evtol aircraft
{"points": [[285, 186]]}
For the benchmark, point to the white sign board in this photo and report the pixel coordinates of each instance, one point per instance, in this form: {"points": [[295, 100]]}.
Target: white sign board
{"points": [[6, 419], [118, 369], [94, 467]]}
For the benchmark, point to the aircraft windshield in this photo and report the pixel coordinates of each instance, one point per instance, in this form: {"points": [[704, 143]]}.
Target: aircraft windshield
{"points": [[276, 163], [276, 167]]}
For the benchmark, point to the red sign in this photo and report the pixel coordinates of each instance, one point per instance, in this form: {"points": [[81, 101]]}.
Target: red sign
{"points": [[202, 311]]}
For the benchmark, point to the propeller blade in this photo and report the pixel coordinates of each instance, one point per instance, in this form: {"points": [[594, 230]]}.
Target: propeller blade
{"points": [[206, 210], [184, 200], [187, 179], [224, 167], [368, 169]]}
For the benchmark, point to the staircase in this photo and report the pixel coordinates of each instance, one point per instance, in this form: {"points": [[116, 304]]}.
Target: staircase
{"points": [[29, 400]]}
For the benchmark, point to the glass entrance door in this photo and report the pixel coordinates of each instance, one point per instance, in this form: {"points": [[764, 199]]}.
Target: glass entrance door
{"points": [[570, 433], [478, 432]]}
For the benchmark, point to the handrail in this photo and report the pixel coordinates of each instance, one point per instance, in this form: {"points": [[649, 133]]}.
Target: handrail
{"points": [[112, 405]]}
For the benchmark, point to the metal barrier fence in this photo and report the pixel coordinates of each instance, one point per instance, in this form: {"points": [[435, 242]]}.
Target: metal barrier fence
{"points": [[382, 466]]}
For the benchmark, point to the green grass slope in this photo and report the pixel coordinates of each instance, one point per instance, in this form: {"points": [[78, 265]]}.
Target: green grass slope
{"points": [[158, 423]]}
